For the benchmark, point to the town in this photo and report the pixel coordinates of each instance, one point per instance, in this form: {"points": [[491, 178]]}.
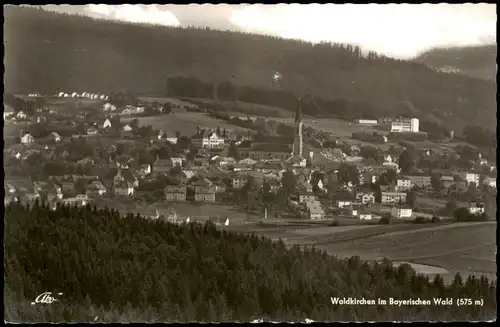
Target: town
{"points": [[100, 153]]}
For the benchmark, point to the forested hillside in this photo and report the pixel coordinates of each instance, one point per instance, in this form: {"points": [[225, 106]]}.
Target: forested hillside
{"points": [[46, 51], [478, 61], [111, 269]]}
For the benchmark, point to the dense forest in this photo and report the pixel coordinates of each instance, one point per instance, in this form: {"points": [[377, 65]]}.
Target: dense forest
{"points": [[111, 267], [46, 52], [474, 61]]}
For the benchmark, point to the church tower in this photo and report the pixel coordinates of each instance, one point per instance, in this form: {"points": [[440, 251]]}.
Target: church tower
{"points": [[297, 142]]}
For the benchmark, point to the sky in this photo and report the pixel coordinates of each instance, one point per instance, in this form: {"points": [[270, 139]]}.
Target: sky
{"points": [[395, 30]]}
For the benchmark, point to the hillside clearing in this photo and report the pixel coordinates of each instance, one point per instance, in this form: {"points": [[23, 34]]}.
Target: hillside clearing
{"points": [[184, 122]]}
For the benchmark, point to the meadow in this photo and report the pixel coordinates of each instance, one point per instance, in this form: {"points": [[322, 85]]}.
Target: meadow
{"points": [[468, 248], [103, 266], [162, 100], [184, 122], [245, 109]]}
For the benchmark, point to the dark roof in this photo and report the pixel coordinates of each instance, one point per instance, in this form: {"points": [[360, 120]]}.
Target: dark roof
{"points": [[269, 165], [272, 148], [259, 138], [245, 144]]}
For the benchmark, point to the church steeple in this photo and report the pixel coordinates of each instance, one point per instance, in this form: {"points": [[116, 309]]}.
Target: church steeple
{"points": [[297, 143], [298, 113]]}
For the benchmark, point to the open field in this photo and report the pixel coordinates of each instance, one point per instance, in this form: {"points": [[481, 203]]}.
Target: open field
{"points": [[184, 122], [166, 99], [249, 109], [445, 248], [340, 128], [12, 130], [425, 202]]}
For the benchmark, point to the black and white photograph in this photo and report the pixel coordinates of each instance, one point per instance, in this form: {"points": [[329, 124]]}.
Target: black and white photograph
{"points": [[250, 163]]}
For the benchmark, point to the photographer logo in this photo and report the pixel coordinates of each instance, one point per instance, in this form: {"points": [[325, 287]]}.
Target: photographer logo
{"points": [[45, 298]]}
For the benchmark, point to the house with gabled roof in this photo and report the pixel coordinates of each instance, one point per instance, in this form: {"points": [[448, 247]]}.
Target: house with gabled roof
{"points": [[27, 138], [95, 188], [207, 139], [8, 111], [106, 124], [175, 192], [124, 188], [296, 161]]}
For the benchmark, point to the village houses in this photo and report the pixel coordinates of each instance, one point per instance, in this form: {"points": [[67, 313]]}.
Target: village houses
{"points": [[422, 181], [403, 184], [393, 197], [27, 138], [365, 198], [175, 193]]}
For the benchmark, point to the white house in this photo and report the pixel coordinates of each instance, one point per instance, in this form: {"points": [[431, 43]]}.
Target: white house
{"points": [[74, 95], [320, 185], [399, 212], [95, 189], [307, 197], [106, 124], [92, 131], [27, 139], [366, 198], [127, 128], [367, 122], [470, 177], [61, 94], [124, 188], [365, 216], [405, 125], [171, 139], [490, 181], [109, 107], [392, 165], [145, 169], [21, 115], [315, 210], [215, 140], [207, 140], [392, 197], [343, 203], [247, 161], [176, 161], [55, 136], [403, 184], [476, 208], [8, 111]]}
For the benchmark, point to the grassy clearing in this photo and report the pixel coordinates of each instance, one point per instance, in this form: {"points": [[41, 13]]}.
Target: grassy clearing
{"points": [[167, 99], [249, 109], [184, 122], [424, 202], [423, 245]]}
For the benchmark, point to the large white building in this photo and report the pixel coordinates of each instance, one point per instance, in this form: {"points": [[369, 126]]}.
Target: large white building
{"points": [[367, 122], [405, 125], [207, 140], [470, 178], [397, 212]]}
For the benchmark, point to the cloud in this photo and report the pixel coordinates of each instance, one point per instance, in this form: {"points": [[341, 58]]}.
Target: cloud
{"points": [[151, 14], [396, 30]]}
